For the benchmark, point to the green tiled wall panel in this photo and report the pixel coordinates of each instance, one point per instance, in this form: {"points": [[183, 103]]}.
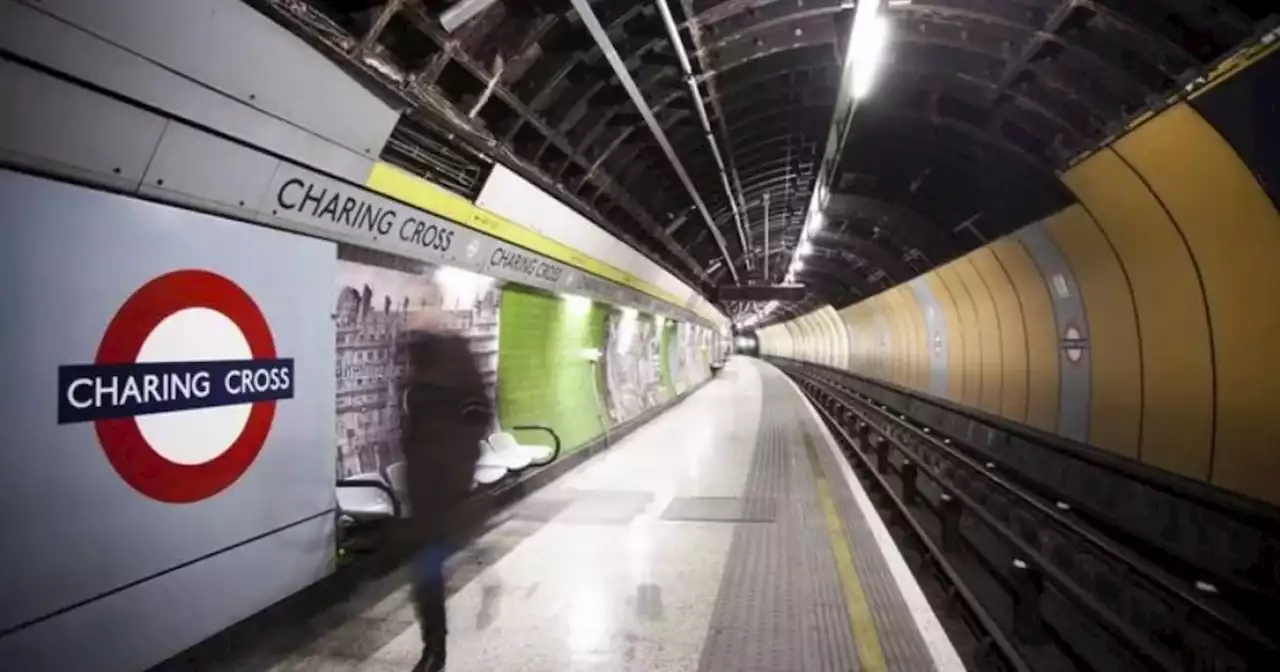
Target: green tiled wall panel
{"points": [[543, 378], [668, 339]]}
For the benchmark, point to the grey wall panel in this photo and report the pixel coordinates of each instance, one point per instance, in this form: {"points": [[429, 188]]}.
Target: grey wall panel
{"points": [[1069, 313], [228, 46], [936, 324], [192, 165], [72, 256], [57, 126], [68, 49], [136, 628]]}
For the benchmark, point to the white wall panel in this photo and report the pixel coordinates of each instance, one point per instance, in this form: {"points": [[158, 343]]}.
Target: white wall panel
{"points": [[511, 196], [64, 47], [228, 46]]}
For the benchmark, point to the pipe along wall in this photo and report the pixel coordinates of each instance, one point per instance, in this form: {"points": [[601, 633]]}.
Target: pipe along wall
{"points": [[1141, 319]]}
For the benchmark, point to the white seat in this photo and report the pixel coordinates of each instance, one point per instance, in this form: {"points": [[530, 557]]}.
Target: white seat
{"points": [[398, 478], [490, 474], [529, 453], [503, 449], [362, 504], [489, 458]]}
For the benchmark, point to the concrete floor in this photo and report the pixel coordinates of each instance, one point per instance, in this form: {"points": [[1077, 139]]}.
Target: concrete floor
{"points": [[619, 564]]}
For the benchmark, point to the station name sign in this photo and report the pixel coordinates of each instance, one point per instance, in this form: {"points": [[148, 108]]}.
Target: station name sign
{"points": [[317, 201], [89, 392], [349, 208], [522, 263]]}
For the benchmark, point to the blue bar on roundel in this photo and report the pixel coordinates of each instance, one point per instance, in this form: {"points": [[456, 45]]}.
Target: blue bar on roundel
{"points": [[88, 392]]}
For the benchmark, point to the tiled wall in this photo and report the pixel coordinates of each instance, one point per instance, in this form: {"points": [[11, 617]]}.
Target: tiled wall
{"points": [[543, 377]]}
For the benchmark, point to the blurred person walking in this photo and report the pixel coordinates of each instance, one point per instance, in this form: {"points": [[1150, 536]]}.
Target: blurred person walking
{"points": [[448, 414]]}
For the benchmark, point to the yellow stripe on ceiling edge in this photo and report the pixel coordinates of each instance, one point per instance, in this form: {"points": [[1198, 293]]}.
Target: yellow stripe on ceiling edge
{"points": [[1224, 71], [391, 181]]}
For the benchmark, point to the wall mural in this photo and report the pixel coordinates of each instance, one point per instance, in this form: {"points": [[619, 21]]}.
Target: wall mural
{"points": [[376, 295], [691, 362], [632, 365]]}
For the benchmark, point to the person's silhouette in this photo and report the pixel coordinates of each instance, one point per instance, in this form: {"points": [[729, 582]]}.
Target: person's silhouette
{"points": [[447, 413]]}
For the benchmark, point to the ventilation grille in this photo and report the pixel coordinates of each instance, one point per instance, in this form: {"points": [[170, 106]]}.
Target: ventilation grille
{"points": [[430, 154]]}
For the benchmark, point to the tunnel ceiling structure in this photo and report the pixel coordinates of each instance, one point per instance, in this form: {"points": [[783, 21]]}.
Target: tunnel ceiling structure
{"points": [[978, 104]]}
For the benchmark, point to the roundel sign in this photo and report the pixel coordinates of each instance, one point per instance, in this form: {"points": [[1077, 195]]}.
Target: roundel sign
{"points": [[183, 389], [1074, 343]]}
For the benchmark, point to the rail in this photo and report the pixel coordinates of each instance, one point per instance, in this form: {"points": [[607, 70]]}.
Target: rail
{"points": [[1049, 549], [1194, 531], [992, 640]]}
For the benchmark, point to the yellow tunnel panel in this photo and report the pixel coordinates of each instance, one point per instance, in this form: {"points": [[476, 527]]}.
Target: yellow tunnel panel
{"points": [[851, 333], [989, 332], [1115, 409], [971, 358], [885, 358], [1177, 360], [1040, 332], [841, 335], [1013, 338], [1233, 230], [888, 301]]}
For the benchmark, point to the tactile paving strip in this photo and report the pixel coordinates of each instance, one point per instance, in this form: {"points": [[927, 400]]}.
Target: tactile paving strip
{"points": [[781, 602]]}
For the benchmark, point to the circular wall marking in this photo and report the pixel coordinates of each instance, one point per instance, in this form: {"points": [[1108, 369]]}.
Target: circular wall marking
{"points": [[197, 435], [190, 455], [1074, 344]]}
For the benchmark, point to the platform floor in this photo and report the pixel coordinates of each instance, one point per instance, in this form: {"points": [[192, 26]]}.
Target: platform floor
{"points": [[725, 536]]}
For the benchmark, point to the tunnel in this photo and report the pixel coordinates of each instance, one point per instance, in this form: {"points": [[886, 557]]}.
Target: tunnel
{"points": [[767, 335]]}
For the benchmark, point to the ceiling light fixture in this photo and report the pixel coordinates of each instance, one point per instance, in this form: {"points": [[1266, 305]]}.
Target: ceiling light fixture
{"points": [[866, 50], [868, 37], [816, 220]]}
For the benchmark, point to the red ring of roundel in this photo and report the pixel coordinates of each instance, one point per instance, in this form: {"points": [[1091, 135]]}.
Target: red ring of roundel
{"points": [[129, 453]]}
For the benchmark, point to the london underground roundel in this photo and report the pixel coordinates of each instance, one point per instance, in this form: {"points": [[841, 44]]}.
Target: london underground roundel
{"points": [[183, 389]]}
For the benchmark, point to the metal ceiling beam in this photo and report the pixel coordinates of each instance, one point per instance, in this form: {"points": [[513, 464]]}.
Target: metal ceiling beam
{"points": [[433, 105], [461, 12], [588, 17], [673, 34], [975, 18], [714, 97]]}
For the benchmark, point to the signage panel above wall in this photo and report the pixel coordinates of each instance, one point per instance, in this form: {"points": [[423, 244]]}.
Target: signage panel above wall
{"points": [[345, 212], [165, 159], [785, 293]]}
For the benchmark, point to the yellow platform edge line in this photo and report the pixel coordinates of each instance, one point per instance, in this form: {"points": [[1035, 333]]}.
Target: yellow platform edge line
{"points": [[396, 183], [861, 622]]}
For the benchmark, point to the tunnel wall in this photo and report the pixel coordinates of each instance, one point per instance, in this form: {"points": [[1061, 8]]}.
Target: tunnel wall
{"points": [[1139, 320]]}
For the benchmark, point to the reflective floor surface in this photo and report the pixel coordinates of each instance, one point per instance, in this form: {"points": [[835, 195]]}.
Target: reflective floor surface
{"points": [[629, 562]]}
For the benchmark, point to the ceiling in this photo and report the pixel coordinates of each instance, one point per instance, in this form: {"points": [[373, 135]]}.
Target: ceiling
{"points": [[977, 104]]}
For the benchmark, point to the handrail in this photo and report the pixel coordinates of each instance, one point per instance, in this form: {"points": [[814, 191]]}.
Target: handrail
{"points": [[1231, 504], [1104, 545], [1006, 648], [377, 485], [555, 438]]}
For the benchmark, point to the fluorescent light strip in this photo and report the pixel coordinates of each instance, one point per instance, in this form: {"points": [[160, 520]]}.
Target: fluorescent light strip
{"points": [[868, 39]]}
